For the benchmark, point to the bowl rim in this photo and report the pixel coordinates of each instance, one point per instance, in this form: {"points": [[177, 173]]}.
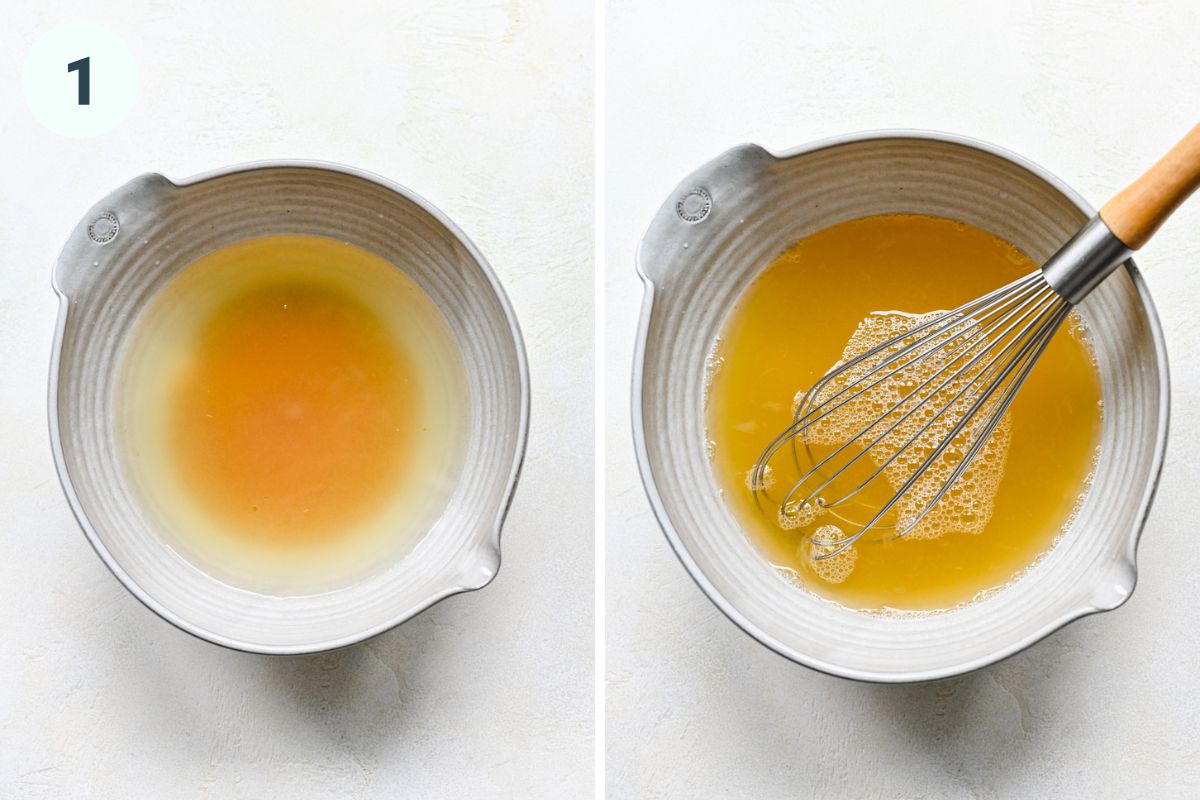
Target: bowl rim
{"points": [[698, 575], [492, 544]]}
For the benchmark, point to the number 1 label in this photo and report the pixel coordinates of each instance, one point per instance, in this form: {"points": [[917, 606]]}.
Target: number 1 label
{"points": [[84, 67], [98, 89]]}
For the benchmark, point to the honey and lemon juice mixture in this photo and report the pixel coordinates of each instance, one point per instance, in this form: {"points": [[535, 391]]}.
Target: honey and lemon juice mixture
{"points": [[294, 407], [834, 295]]}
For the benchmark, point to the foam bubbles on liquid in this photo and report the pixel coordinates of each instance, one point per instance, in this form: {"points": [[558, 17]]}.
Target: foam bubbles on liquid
{"points": [[757, 482], [713, 361], [1078, 329], [835, 569], [906, 440], [795, 515]]}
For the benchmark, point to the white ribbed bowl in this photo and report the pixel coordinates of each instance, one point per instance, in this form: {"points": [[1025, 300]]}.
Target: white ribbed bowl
{"points": [[163, 227], [720, 228]]}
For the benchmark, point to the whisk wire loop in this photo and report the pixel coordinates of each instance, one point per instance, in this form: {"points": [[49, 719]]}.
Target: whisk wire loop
{"points": [[978, 355], [1018, 290], [996, 359], [1017, 369]]}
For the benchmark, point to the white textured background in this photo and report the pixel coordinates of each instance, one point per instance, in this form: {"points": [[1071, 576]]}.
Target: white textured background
{"points": [[1108, 707], [485, 108]]}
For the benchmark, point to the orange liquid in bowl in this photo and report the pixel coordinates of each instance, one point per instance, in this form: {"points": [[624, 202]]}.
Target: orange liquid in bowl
{"points": [[294, 408], [794, 323]]}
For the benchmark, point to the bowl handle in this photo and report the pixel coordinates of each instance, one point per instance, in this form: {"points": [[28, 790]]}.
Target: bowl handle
{"points": [[704, 203], [119, 221]]}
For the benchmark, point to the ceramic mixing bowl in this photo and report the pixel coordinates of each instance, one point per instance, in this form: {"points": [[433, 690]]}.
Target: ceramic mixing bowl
{"points": [[131, 243], [721, 227]]}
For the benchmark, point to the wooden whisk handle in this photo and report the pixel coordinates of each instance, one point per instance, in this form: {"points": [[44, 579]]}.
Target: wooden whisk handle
{"points": [[1135, 212]]}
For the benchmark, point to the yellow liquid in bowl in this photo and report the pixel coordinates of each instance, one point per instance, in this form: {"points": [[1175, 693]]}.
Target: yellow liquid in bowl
{"points": [[794, 323], [294, 408]]}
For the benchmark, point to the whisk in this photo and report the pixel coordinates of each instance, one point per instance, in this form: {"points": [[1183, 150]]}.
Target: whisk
{"points": [[948, 380]]}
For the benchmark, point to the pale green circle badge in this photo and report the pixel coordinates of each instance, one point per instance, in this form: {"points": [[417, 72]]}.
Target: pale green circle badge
{"points": [[80, 80]]}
